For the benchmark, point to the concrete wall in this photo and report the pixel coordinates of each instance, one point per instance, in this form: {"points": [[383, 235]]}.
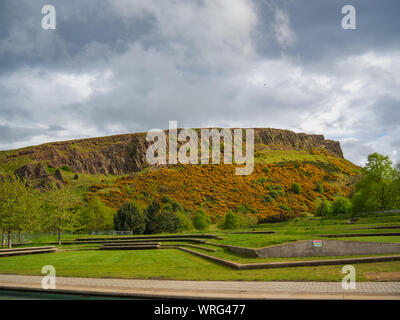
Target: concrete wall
{"points": [[329, 248]]}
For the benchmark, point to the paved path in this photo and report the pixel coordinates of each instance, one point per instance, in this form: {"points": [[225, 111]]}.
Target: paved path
{"points": [[210, 289]]}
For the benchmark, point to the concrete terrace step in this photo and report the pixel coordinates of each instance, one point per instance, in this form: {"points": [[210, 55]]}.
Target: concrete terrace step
{"points": [[26, 248], [131, 244], [137, 241], [27, 251], [134, 247], [208, 236], [251, 232]]}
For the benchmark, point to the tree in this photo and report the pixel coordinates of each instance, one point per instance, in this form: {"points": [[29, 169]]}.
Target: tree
{"points": [[167, 221], [185, 223], [97, 216], [379, 187], [59, 210], [231, 221], [201, 220], [151, 213], [19, 206], [341, 205], [379, 167], [130, 217], [323, 208]]}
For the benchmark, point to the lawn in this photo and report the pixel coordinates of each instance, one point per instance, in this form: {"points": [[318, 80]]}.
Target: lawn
{"points": [[170, 264], [176, 264]]}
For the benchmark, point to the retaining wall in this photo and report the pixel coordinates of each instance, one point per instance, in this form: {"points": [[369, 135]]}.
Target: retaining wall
{"points": [[306, 248]]}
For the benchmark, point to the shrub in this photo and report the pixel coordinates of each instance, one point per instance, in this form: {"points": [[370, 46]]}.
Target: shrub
{"points": [[284, 207], [244, 208], [166, 199], [262, 180], [76, 177], [268, 199], [296, 188], [231, 221], [341, 205], [130, 217], [66, 168], [247, 220], [273, 194], [176, 206], [201, 220]]}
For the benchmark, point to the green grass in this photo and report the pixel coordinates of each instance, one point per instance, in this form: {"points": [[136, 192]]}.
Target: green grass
{"points": [[175, 264], [169, 264], [272, 156]]}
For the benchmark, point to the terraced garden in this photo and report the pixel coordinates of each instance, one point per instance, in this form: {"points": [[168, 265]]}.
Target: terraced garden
{"points": [[196, 256]]}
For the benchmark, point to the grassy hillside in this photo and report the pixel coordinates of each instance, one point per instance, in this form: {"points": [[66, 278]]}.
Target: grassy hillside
{"points": [[103, 167], [266, 193]]}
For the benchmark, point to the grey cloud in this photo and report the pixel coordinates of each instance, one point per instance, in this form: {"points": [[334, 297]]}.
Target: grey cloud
{"points": [[125, 65]]}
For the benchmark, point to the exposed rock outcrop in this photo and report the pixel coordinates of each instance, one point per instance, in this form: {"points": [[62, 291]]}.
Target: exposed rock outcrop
{"points": [[121, 154], [32, 171]]}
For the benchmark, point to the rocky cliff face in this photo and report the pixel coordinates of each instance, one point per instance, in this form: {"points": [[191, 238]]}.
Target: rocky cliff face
{"points": [[286, 139], [121, 154]]}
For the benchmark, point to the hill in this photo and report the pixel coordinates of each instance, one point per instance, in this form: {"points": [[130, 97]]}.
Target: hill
{"points": [[114, 168]]}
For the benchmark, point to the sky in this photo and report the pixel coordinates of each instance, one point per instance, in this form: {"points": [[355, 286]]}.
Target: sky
{"points": [[121, 66]]}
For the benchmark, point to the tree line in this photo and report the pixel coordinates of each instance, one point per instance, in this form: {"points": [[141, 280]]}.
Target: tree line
{"points": [[378, 189]]}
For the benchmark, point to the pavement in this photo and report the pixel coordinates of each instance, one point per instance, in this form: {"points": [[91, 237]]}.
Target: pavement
{"points": [[172, 289]]}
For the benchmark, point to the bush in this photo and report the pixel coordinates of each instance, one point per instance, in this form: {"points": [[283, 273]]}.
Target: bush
{"points": [[66, 168], [262, 180], [245, 208], [231, 221], [284, 207], [247, 220], [296, 188], [201, 220], [130, 217], [76, 177], [273, 194], [268, 199], [341, 205]]}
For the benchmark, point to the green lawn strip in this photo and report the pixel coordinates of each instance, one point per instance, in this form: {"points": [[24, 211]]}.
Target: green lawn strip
{"points": [[264, 240], [170, 264], [230, 256], [257, 240], [391, 239], [368, 220]]}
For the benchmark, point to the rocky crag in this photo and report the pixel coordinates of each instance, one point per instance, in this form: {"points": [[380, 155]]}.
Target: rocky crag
{"points": [[122, 154]]}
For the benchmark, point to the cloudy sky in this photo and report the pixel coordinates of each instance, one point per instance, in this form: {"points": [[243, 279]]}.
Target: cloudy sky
{"points": [[123, 66]]}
